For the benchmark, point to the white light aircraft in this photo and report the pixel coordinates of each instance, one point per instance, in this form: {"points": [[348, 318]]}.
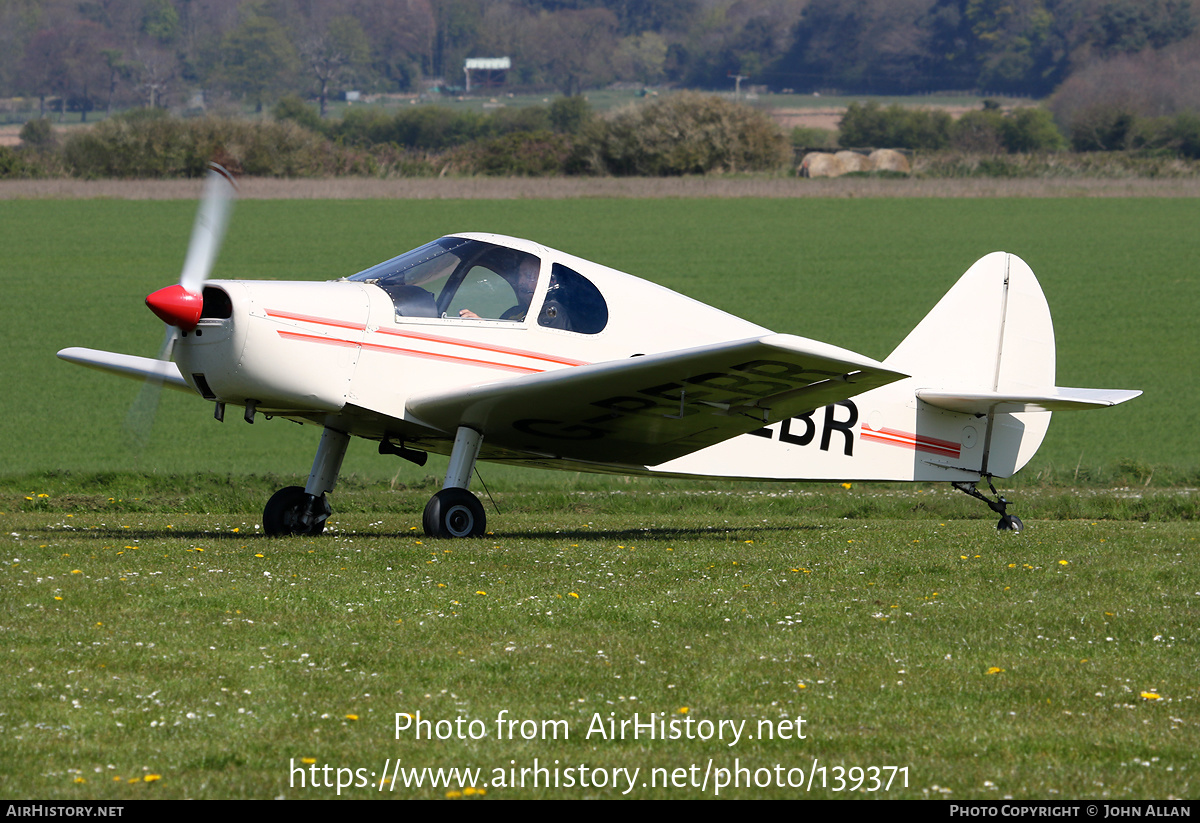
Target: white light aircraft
{"points": [[485, 347]]}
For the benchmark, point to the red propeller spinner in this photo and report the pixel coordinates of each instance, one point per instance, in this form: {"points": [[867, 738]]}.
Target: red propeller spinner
{"points": [[176, 306]]}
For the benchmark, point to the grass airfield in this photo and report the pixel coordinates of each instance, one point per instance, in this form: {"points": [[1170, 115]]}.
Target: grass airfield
{"points": [[1055, 664], [159, 647]]}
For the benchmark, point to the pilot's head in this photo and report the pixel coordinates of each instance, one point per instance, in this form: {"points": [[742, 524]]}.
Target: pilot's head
{"points": [[524, 279]]}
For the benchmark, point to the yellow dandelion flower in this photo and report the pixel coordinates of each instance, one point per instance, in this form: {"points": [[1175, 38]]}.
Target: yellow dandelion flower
{"points": [[258, 555], [308, 761], [847, 485], [801, 686], [76, 571], [995, 670], [56, 597], [151, 778], [683, 710], [573, 594], [481, 591], [453, 794], [469, 790], [352, 717], [1151, 696], [80, 780]]}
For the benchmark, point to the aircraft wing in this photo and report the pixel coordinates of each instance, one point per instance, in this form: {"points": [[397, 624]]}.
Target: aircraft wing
{"points": [[128, 365], [646, 410]]}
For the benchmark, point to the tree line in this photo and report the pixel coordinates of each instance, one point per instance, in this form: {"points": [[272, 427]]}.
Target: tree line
{"points": [[99, 54]]}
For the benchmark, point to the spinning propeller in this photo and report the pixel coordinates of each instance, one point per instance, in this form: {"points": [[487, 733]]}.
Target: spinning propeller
{"points": [[180, 306]]}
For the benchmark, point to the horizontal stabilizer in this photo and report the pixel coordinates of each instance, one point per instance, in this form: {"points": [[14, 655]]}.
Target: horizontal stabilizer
{"points": [[1056, 399], [128, 365]]}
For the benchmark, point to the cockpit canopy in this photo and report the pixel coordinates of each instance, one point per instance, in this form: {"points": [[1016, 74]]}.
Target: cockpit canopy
{"points": [[457, 277]]}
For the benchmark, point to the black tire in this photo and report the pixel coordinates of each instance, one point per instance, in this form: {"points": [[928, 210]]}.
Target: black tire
{"points": [[1010, 523], [283, 513], [454, 513]]}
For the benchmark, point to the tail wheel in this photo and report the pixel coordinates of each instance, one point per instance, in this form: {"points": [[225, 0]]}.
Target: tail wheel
{"points": [[292, 510], [1010, 523], [454, 513]]}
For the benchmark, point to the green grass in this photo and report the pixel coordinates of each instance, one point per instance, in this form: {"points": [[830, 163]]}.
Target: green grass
{"points": [[990, 666]]}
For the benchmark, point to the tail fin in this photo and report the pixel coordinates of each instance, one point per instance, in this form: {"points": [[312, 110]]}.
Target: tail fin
{"points": [[977, 403], [987, 350]]}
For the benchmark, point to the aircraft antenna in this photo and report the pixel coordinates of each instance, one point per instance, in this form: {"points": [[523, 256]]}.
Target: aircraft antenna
{"points": [[486, 490]]}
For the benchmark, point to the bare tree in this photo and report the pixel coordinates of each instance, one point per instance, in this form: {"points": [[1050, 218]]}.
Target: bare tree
{"points": [[577, 47], [66, 61], [329, 48]]}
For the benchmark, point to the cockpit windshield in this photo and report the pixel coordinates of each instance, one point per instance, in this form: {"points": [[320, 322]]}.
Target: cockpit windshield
{"points": [[457, 277]]}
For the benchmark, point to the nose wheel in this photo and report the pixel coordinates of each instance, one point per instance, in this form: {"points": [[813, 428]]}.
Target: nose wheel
{"points": [[292, 510]]}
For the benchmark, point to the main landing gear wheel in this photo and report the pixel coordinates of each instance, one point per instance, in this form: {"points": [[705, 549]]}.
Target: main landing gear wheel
{"points": [[292, 510], [454, 513]]}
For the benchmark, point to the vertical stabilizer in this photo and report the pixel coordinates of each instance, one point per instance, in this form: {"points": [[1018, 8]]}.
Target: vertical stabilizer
{"points": [[990, 334]]}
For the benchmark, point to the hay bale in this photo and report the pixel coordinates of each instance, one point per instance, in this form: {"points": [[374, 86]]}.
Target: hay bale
{"points": [[821, 164], [853, 161], [890, 160]]}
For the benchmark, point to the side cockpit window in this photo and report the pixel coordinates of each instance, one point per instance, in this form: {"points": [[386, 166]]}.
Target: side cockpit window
{"points": [[497, 286], [573, 303], [458, 278]]}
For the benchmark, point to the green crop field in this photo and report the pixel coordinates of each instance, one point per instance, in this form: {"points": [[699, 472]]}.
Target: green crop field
{"points": [[158, 646]]}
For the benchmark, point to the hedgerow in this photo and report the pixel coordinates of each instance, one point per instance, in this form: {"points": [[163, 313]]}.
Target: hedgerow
{"points": [[685, 133]]}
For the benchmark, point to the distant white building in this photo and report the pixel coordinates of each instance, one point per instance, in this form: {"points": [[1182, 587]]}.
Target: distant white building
{"points": [[489, 71]]}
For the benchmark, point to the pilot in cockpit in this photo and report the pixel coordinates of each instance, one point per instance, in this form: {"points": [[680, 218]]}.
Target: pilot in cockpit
{"points": [[523, 282]]}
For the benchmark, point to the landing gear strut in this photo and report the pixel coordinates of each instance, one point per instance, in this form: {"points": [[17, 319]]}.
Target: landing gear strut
{"points": [[454, 511], [1008, 522], [304, 510]]}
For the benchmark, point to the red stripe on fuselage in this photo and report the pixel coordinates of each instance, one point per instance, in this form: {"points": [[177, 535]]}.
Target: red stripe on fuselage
{"points": [[432, 338], [335, 341], [451, 341], [320, 321], [893, 437]]}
